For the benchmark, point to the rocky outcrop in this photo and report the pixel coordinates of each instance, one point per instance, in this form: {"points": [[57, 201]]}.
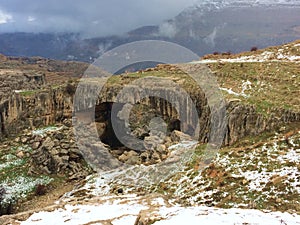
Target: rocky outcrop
{"points": [[244, 120], [54, 105], [13, 106], [12, 80], [54, 151], [241, 120], [33, 109], [45, 107]]}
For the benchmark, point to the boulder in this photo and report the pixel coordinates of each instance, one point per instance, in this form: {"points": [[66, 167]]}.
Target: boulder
{"points": [[35, 145], [162, 149], [178, 136], [127, 155], [151, 142], [48, 144], [145, 156], [100, 128], [134, 160]]}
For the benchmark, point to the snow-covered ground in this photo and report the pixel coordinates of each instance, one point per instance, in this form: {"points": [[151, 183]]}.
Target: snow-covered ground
{"points": [[276, 55], [117, 210], [213, 216], [246, 85], [126, 210], [221, 4]]}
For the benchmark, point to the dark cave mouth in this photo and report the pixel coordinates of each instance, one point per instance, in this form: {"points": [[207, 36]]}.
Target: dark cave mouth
{"points": [[157, 148]]}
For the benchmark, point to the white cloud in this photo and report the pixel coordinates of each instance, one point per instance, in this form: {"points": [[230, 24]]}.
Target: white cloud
{"points": [[167, 29], [90, 18], [31, 19], [5, 17]]}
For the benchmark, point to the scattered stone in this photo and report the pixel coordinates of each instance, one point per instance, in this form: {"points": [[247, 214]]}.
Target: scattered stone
{"points": [[48, 143], [155, 156], [65, 146], [277, 179], [177, 136], [282, 129], [20, 154], [117, 152], [24, 140], [144, 156], [161, 149], [151, 142], [35, 145], [134, 160], [59, 136], [167, 141], [127, 155], [245, 182]]}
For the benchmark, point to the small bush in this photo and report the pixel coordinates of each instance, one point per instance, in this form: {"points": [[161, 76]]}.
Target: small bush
{"points": [[253, 49], [216, 53], [226, 53], [5, 207], [70, 89], [40, 189]]}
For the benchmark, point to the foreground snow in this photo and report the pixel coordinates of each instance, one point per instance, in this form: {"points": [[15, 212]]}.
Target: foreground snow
{"points": [[206, 215], [126, 210], [119, 210]]}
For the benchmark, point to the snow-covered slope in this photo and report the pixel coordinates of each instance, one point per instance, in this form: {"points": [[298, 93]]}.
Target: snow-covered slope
{"points": [[126, 211], [286, 53], [218, 4]]}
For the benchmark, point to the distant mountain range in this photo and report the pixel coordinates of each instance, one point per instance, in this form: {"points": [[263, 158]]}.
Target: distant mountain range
{"points": [[209, 26], [240, 3]]}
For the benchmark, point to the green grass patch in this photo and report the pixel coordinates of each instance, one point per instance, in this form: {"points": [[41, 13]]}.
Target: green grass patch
{"points": [[28, 93]]}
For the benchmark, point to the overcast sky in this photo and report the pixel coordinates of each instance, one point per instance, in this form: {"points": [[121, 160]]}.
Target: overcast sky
{"points": [[90, 17]]}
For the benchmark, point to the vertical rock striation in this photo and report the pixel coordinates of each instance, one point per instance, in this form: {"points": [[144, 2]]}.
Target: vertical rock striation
{"points": [[46, 107]]}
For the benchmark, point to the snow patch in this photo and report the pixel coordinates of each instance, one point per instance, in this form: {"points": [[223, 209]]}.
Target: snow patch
{"points": [[207, 216], [41, 132], [19, 187], [121, 211], [245, 86]]}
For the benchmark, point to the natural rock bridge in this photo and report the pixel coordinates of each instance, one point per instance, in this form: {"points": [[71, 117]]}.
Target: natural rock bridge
{"points": [[53, 105]]}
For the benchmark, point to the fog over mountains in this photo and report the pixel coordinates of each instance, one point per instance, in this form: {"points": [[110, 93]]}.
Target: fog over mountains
{"points": [[205, 27]]}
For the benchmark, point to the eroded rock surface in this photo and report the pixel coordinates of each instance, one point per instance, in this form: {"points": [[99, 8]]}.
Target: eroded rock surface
{"points": [[54, 151]]}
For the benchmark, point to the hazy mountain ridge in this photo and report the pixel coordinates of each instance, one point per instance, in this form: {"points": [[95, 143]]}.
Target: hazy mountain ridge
{"points": [[208, 26]]}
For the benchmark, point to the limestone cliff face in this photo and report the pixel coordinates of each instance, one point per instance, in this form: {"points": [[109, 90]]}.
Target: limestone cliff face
{"points": [[169, 101], [41, 108], [243, 120], [10, 110], [54, 105]]}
